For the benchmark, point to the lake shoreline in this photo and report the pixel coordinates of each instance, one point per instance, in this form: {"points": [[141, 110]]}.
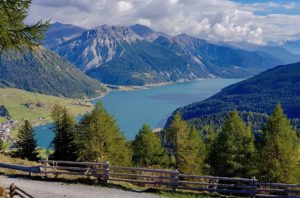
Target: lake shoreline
{"points": [[112, 88]]}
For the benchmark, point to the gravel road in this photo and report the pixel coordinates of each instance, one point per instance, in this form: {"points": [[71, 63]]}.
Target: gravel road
{"points": [[46, 189]]}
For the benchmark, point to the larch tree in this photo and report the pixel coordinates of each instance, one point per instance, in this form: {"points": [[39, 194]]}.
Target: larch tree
{"points": [[176, 136], [186, 145], [233, 151], [26, 143], [64, 128], [147, 149], [279, 153], [99, 139], [191, 159]]}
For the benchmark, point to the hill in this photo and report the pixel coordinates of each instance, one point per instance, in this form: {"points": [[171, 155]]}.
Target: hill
{"points": [[258, 94], [137, 55], [20, 105], [45, 72]]}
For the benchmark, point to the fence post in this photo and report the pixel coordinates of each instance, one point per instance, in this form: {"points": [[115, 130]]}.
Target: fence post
{"points": [[175, 179], [255, 183], [106, 172]]}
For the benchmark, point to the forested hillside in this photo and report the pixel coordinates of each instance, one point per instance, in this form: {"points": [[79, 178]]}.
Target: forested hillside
{"points": [[258, 94], [44, 72]]}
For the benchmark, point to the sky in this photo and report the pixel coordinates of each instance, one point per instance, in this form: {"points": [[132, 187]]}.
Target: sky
{"points": [[253, 21]]}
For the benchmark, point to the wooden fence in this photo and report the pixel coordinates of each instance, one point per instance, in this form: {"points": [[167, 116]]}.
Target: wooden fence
{"points": [[158, 178], [166, 179], [15, 191]]}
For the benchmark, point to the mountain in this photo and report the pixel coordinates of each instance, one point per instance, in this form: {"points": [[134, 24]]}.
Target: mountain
{"points": [[45, 72], [137, 55], [222, 61], [258, 94], [58, 33], [292, 46], [145, 32], [276, 52], [117, 55]]}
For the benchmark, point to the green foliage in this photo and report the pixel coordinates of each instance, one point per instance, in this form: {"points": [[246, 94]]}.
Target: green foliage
{"points": [[192, 155], [176, 134], [13, 31], [279, 153], [259, 94], [26, 143], [186, 145], [233, 150], [64, 130], [100, 139], [46, 73], [147, 149]]}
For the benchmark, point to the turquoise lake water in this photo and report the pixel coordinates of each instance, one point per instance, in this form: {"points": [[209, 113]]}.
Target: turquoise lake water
{"points": [[152, 106]]}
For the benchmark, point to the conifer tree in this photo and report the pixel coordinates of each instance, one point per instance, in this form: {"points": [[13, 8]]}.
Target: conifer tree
{"points": [[64, 130], [176, 135], [100, 139], [279, 154], [147, 149], [26, 143], [14, 33], [191, 159], [186, 146], [233, 150]]}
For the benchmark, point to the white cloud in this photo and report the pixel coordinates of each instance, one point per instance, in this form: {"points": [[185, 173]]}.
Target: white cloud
{"points": [[124, 6], [209, 19]]}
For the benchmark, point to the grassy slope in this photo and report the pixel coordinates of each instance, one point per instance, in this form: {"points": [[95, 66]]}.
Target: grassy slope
{"points": [[14, 100]]}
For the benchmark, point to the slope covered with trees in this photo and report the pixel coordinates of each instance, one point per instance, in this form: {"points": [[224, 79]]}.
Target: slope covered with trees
{"points": [[42, 71], [259, 94]]}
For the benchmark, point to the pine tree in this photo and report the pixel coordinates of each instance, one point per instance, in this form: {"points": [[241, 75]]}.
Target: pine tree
{"points": [[100, 139], [64, 130], [147, 149], [14, 33], [233, 150], [26, 143], [191, 158], [279, 154]]}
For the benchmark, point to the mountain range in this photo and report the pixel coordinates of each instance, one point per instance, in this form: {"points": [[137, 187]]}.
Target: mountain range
{"points": [[43, 71], [137, 55], [259, 94]]}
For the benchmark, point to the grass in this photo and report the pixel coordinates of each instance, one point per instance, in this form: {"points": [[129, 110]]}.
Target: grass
{"points": [[3, 119], [36, 107], [17, 161]]}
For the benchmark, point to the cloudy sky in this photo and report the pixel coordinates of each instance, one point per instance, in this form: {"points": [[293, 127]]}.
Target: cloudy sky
{"points": [[255, 21]]}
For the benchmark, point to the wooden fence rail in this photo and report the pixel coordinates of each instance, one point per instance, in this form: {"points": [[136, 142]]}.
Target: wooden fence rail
{"points": [[167, 179], [15, 191], [157, 178]]}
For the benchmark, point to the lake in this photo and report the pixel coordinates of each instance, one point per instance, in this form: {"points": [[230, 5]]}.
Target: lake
{"points": [[151, 106]]}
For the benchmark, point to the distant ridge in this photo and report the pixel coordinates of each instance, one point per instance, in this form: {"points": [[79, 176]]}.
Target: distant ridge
{"points": [[137, 55]]}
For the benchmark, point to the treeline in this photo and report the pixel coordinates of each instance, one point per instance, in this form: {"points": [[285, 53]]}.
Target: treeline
{"points": [[233, 151]]}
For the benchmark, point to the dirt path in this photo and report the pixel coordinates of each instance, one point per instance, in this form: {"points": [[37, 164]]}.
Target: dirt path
{"points": [[46, 189]]}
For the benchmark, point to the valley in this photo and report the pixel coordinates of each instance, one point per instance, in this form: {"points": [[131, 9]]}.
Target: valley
{"points": [[133, 108]]}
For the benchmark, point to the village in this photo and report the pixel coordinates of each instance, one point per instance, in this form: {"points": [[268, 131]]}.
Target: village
{"points": [[5, 130]]}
